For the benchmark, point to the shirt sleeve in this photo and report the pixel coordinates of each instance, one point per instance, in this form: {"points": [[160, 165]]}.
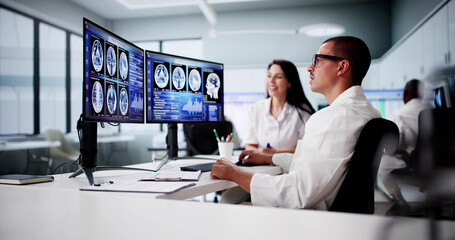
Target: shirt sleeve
{"points": [[304, 187], [283, 160]]}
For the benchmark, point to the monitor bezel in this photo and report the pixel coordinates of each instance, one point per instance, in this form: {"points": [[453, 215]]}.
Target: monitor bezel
{"points": [[185, 58], [88, 117]]}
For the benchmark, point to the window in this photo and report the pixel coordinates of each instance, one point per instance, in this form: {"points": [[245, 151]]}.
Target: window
{"points": [[76, 79], [52, 44], [16, 73]]}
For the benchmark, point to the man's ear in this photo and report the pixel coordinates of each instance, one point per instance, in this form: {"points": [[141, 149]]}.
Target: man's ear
{"points": [[343, 66]]}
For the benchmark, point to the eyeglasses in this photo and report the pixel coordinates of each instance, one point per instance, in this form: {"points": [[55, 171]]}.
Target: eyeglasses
{"points": [[315, 57]]}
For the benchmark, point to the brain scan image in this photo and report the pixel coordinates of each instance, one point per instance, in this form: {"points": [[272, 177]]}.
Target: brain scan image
{"points": [[111, 99], [123, 66], [178, 78], [123, 101], [195, 80], [97, 55], [97, 97], [213, 84], [111, 61], [161, 76]]}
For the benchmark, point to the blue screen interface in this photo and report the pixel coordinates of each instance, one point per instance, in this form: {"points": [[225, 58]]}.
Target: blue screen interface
{"points": [[183, 89], [113, 88]]}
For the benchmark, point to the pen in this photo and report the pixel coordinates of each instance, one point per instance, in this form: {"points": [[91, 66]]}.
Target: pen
{"points": [[168, 179], [268, 145], [158, 179], [222, 139], [229, 138], [216, 135], [235, 134]]}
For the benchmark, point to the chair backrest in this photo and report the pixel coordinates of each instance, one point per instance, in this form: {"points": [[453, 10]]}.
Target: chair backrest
{"points": [[356, 194], [200, 138], [57, 135], [435, 147]]}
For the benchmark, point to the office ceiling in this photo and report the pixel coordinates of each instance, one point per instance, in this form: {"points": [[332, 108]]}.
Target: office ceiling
{"points": [[114, 9]]}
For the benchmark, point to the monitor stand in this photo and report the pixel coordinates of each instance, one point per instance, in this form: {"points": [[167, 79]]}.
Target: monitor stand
{"points": [[87, 161], [172, 146]]}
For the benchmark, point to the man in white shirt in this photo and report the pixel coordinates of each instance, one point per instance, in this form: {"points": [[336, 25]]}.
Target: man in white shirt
{"points": [[406, 118], [314, 173]]}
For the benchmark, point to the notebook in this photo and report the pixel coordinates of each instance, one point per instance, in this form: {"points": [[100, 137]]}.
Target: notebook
{"points": [[20, 179]]}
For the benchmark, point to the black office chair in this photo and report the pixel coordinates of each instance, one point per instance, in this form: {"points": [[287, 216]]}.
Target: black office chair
{"points": [[200, 138], [356, 194], [431, 164]]}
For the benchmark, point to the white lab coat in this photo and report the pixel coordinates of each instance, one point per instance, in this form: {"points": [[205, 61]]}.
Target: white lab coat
{"points": [[315, 171], [282, 133], [407, 121]]}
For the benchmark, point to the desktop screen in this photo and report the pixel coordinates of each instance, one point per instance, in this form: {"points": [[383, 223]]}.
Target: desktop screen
{"points": [[181, 89], [113, 89], [441, 98]]}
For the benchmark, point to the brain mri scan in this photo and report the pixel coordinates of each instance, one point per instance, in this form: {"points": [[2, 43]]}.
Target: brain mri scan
{"points": [[97, 97], [123, 66], [97, 55], [213, 84], [123, 101], [111, 99], [195, 80], [161, 76], [111, 61], [178, 78]]}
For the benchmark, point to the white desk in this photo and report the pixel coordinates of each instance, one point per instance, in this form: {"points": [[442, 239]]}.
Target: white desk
{"points": [[205, 185], [26, 145], [34, 213]]}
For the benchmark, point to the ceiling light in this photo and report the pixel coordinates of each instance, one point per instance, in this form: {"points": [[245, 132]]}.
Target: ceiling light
{"points": [[208, 12], [322, 30]]}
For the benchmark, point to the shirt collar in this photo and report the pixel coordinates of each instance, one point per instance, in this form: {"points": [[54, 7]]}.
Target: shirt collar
{"points": [[286, 108], [348, 93]]}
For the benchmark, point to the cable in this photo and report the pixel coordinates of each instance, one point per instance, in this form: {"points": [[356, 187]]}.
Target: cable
{"points": [[66, 164]]}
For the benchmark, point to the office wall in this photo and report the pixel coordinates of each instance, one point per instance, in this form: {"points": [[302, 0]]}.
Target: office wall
{"points": [[407, 13], [370, 22]]}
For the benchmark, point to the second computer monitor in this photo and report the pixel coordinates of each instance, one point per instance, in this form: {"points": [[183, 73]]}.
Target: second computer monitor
{"points": [[181, 89]]}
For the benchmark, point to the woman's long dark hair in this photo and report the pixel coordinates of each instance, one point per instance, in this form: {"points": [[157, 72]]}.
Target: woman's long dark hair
{"points": [[295, 96]]}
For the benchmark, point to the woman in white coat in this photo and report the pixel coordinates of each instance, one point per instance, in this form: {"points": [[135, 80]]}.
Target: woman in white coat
{"points": [[276, 123]]}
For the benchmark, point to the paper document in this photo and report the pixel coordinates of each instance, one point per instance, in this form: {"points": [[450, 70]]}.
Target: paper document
{"points": [[140, 186], [174, 176]]}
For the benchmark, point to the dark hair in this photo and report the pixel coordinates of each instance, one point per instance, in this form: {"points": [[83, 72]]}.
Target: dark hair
{"points": [[356, 52], [295, 96], [413, 89]]}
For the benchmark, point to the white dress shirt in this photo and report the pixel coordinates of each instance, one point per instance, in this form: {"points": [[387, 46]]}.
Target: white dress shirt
{"points": [[282, 133], [407, 121], [315, 171]]}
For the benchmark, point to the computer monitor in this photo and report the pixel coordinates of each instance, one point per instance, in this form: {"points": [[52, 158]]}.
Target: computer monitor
{"points": [[182, 90], [113, 88], [442, 96]]}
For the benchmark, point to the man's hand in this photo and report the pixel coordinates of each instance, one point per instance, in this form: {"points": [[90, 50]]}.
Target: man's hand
{"points": [[223, 169], [255, 157]]}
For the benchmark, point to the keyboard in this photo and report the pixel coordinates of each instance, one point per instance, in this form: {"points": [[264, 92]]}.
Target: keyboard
{"points": [[204, 167]]}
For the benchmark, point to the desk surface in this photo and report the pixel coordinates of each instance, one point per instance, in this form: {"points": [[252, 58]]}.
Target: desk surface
{"points": [[34, 213], [205, 184], [12, 146]]}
